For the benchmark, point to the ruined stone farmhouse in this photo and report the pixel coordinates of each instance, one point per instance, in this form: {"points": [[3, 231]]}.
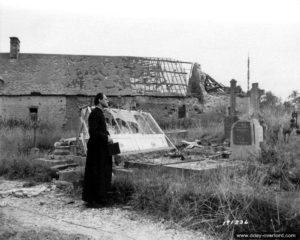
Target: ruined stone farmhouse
{"points": [[56, 86]]}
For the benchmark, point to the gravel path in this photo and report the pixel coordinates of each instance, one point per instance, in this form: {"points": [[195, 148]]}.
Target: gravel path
{"points": [[52, 214]]}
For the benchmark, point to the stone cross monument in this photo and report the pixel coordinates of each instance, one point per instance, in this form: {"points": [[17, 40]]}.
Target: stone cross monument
{"points": [[231, 118], [247, 135]]}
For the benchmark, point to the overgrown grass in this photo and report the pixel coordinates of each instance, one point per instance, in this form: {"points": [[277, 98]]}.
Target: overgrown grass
{"points": [[249, 192], [282, 164], [206, 202], [23, 166], [275, 119], [17, 135], [252, 191], [213, 131], [16, 140], [275, 116]]}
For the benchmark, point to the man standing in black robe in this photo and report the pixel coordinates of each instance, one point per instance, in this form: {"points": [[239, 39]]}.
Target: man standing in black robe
{"points": [[98, 168]]}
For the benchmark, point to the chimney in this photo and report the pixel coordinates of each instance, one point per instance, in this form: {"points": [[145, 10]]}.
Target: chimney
{"points": [[14, 48]]}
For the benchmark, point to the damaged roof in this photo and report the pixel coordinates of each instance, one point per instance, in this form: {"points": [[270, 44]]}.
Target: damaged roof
{"points": [[54, 74]]}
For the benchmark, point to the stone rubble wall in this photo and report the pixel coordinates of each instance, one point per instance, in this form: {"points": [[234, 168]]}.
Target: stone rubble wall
{"points": [[51, 109], [63, 111], [220, 104], [161, 108]]}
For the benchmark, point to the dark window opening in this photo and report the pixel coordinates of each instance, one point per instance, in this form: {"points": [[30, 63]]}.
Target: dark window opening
{"points": [[182, 111], [35, 94], [33, 112]]}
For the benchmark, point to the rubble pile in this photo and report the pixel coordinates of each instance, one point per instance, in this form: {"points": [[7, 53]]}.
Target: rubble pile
{"points": [[65, 146]]}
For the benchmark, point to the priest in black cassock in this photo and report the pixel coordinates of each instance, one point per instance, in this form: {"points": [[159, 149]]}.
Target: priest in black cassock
{"points": [[98, 168]]}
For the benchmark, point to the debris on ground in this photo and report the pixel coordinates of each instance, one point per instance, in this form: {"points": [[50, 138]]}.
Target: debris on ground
{"points": [[25, 192], [192, 144], [174, 154]]}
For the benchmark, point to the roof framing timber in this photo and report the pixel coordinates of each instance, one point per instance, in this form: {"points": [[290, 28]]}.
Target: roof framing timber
{"points": [[161, 75]]}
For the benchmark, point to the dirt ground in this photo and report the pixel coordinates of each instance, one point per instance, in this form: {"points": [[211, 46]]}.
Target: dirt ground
{"points": [[46, 211]]}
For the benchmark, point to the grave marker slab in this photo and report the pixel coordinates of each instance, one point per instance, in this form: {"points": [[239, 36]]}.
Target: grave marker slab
{"points": [[246, 136], [241, 133]]}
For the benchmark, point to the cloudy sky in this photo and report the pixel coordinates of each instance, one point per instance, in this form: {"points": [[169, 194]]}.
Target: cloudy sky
{"points": [[217, 34]]}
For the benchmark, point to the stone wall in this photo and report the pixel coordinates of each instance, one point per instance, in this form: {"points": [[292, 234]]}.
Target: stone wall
{"points": [[161, 108], [220, 103], [64, 111], [165, 108], [73, 104], [51, 109]]}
